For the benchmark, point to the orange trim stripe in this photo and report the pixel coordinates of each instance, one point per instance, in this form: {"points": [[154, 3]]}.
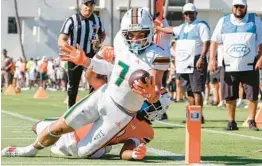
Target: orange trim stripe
{"points": [[158, 63], [135, 16]]}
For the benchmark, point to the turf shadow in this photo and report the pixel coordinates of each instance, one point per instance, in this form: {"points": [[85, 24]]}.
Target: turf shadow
{"points": [[232, 160]]}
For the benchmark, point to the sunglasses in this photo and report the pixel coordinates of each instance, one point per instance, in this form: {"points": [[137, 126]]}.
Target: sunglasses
{"points": [[239, 6], [188, 13]]}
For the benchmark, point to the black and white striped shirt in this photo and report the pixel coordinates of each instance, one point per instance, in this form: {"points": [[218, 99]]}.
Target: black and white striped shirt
{"points": [[82, 31]]}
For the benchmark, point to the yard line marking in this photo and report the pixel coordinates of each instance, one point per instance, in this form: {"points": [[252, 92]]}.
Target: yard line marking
{"points": [[158, 152], [178, 157], [20, 116], [214, 131]]}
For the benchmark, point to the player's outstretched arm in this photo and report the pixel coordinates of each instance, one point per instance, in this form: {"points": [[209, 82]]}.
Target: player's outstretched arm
{"points": [[74, 55]]}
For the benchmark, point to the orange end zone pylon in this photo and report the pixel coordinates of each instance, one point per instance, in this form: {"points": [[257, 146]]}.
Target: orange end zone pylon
{"points": [[193, 134], [41, 94], [10, 90], [258, 117]]}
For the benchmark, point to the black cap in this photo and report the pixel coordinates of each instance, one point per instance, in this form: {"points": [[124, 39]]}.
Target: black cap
{"points": [[85, 1]]}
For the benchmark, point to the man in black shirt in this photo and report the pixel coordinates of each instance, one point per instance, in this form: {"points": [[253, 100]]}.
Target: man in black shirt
{"points": [[86, 30]]}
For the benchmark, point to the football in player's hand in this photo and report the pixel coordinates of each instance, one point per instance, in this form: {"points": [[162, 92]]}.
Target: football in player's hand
{"points": [[138, 75]]}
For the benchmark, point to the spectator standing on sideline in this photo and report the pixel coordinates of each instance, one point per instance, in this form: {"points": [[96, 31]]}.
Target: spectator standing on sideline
{"points": [[81, 29], [191, 48], [5, 62], [241, 36], [164, 43], [43, 72], [31, 69]]}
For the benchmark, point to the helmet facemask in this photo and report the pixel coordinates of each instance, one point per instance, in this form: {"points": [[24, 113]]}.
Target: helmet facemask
{"points": [[136, 46], [156, 110]]}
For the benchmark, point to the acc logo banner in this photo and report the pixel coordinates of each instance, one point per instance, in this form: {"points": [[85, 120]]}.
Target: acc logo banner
{"points": [[182, 55], [238, 50]]}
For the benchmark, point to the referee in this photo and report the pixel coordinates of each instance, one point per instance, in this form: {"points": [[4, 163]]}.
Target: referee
{"points": [[86, 29]]}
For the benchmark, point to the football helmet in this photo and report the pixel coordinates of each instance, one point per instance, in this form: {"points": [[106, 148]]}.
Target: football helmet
{"points": [[135, 20], [156, 110]]}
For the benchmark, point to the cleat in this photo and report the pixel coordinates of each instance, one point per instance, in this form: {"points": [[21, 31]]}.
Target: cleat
{"points": [[232, 125], [28, 151], [252, 125]]}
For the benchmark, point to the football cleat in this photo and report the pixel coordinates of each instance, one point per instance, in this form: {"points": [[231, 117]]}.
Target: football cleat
{"points": [[19, 151]]}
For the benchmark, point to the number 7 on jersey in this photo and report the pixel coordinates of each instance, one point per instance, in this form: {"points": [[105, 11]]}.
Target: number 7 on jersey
{"points": [[123, 73]]}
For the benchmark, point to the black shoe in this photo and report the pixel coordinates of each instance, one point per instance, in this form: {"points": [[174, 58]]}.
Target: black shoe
{"points": [[252, 125], [164, 117], [232, 125]]}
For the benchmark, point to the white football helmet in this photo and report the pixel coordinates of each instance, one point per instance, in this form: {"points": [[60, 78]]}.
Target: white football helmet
{"points": [[156, 110], [137, 19]]}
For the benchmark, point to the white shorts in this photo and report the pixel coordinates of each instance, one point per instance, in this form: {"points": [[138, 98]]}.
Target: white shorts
{"points": [[108, 118], [18, 75], [59, 74], [32, 76]]}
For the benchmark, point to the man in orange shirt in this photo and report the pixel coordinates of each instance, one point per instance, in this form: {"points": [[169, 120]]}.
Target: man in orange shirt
{"points": [[43, 72]]}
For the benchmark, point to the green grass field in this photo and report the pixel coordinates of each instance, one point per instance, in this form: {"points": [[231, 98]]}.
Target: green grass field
{"points": [[218, 146]]}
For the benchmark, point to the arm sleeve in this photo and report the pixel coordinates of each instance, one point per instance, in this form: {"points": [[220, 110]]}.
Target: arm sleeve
{"points": [[161, 60], [259, 30], [67, 26], [204, 32], [217, 35], [101, 66], [177, 29]]}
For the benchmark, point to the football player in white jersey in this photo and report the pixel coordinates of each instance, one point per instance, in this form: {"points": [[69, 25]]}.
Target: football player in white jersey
{"points": [[134, 137], [114, 105]]}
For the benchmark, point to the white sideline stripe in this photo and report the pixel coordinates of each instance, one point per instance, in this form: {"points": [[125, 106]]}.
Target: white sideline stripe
{"points": [[214, 131], [152, 150], [174, 156], [20, 116]]}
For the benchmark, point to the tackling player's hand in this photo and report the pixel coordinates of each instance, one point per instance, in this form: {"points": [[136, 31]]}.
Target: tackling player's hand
{"points": [[74, 55], [146, 90], [139, 152], [106, 53]]}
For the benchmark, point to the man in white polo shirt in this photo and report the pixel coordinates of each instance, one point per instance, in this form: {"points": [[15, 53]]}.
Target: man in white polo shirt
{"points": [[241, 36], [191, 48]]}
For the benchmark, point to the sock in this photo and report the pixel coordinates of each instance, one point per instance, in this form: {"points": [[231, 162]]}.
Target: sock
{"points": [[29, 150]]}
